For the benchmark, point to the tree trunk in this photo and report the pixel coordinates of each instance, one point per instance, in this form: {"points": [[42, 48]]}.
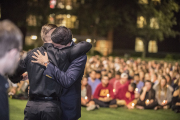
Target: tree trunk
{"points": [[144, 54]]}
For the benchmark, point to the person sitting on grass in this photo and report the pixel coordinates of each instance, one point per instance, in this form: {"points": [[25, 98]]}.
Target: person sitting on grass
{"points": [[116, 78], [123, 81], [93, 81], [163, 94], [176, 98], [103, 95], [126, 95], [139, 83], [147, 97], [86, 95]]}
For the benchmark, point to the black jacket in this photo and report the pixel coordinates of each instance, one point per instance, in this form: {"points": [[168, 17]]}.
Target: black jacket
{"points": [[41, 85]]}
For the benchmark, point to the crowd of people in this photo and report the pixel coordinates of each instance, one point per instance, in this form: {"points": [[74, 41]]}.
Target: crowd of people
{"points": [[116, 82], [112, 82]]}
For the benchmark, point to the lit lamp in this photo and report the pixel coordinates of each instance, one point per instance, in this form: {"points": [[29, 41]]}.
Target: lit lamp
{"points": [[164, 101], [88, 40], [33, 37], [86, 97], [108, 95], [74, 39], [147, 101], [114, 90], [133, 105], [136, 90]]}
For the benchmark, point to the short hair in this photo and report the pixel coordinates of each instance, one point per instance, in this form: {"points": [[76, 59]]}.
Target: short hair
{"points": [[106, 75], [136, 75], [98, 71], [84, 77], [61, 35], [10, 37], [45, 29], [118, 73], [133, 85], [148, 81]]}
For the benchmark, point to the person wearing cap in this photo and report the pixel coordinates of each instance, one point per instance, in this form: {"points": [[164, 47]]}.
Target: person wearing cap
{"points": [[123, 81]]}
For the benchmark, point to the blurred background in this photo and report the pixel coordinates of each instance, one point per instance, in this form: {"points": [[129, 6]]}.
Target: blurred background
{"points": [[147, 28], [120, 30]]}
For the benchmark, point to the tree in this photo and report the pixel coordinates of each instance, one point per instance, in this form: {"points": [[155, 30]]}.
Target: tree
{"points": [[159, 20]]}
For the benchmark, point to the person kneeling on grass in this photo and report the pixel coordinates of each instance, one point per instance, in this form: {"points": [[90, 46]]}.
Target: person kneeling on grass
{"points": [[86, 95], [103, 95], [147, 97], [176, 98], [126, 95]]}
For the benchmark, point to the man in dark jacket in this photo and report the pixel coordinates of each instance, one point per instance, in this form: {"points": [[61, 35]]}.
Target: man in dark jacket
{"points": [[10, 46], [69, 76], [44, 94]]}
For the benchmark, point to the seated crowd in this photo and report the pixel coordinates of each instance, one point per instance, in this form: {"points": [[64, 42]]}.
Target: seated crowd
{"points": [[112, 82]]}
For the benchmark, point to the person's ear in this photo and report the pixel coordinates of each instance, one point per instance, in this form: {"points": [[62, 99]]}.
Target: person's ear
{"points": [[13, 52]]}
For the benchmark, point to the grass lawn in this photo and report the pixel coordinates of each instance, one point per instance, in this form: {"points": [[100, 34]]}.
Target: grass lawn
{"points": [[17, 108]]}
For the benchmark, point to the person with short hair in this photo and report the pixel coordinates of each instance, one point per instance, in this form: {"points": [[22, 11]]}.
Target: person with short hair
{"points": [[10, 47], [125, 94], [117, 77], [103, 95], [50, 94], [139, 84], [147, 97], [92, 81]]}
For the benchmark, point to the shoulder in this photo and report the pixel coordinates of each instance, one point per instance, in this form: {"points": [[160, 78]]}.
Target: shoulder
{"points": [[109, 85], [99, 85], [80, 59], [176, 93]]}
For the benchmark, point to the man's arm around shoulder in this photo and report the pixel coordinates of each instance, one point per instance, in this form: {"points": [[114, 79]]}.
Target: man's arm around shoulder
{"points": [[66, 79]]}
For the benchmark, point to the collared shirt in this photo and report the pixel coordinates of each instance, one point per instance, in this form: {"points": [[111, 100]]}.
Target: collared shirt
{"points": [[93, 84], [4, 107], [139, 85]]}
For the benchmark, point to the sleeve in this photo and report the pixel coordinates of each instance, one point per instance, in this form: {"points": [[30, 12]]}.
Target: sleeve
{"points": [[66, 79], [89, 92], [17, 76], [111, 92], [169, 95], [96, 93], [79, 49]]}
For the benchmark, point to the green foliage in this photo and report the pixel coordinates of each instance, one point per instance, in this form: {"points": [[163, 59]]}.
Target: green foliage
{"points": [[164, 13]]}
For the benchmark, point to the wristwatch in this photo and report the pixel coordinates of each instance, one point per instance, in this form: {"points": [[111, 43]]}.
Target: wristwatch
{"points": [[46, 63]]}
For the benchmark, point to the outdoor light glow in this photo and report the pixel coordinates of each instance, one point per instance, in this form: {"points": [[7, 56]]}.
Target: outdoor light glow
{"points": [[68, 7], [33, 37], [74, 39], [68, 15], [88, 40]]}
